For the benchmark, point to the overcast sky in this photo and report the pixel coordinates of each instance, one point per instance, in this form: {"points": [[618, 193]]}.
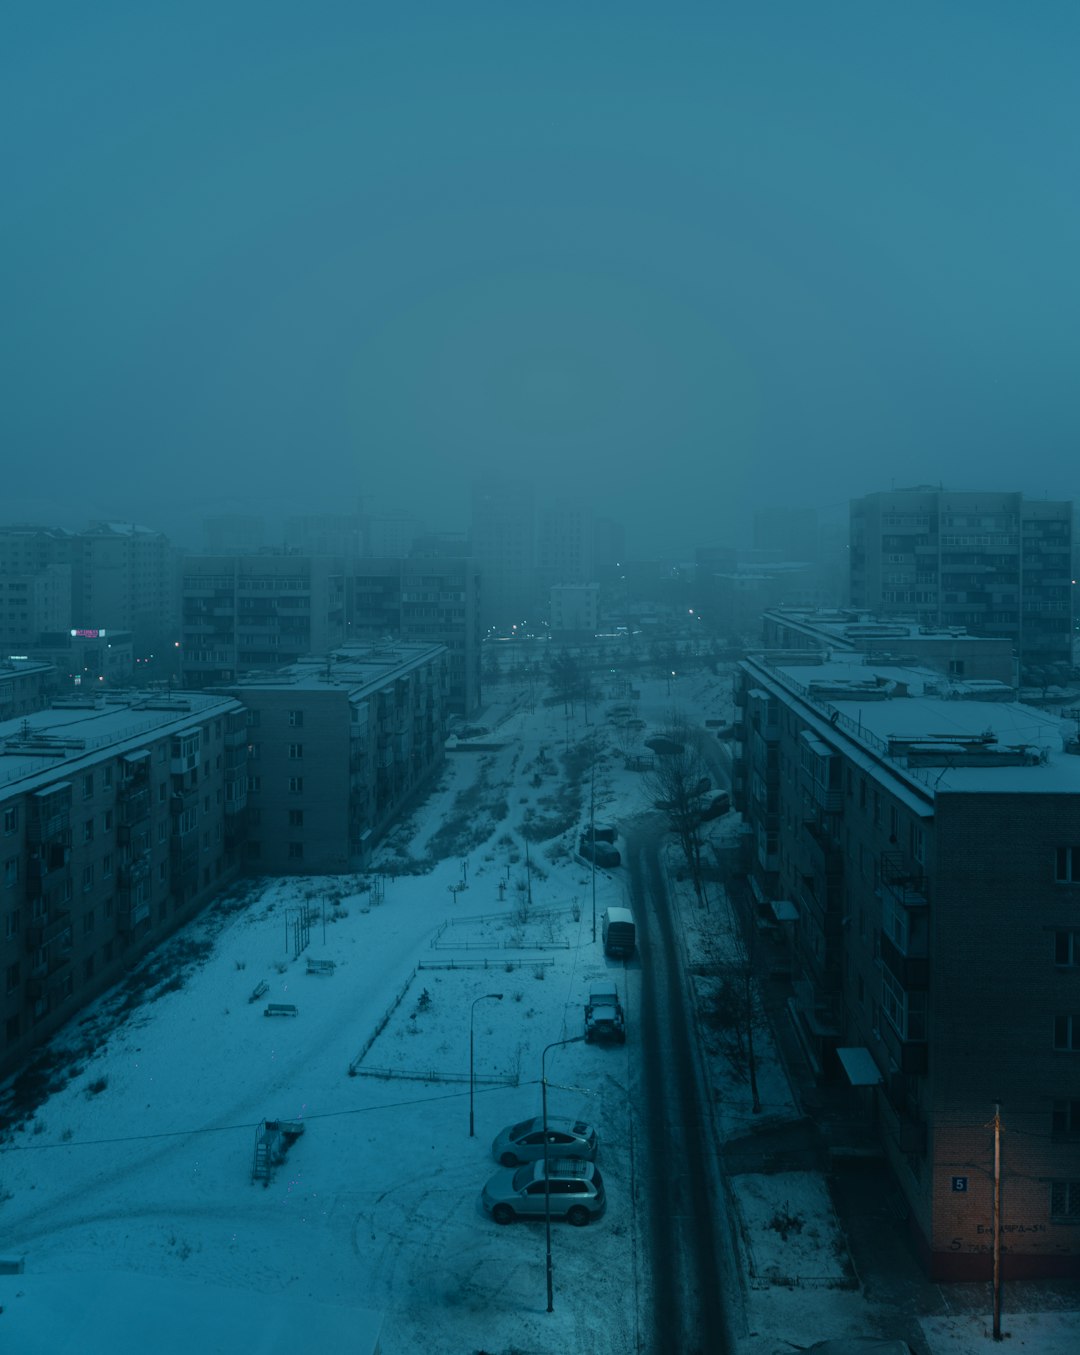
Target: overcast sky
{"points": [[269, 257]]}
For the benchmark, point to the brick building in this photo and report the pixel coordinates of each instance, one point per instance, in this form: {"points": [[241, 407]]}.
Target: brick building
{"points": [[924, 855]]}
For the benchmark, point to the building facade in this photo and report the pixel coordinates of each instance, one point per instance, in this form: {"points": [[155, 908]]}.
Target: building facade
{"points": [[433, 599], [120, 818], [951, 652], [336, 750], [996, 564], [922, 856], [126, 577], [257, 612]]}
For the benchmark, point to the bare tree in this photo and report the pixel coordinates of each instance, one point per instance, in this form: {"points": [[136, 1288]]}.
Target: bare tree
{"points": [[677, 786]]}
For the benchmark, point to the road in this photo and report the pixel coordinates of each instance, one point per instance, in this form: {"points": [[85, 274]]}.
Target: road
{"points": [[692, 1280]]}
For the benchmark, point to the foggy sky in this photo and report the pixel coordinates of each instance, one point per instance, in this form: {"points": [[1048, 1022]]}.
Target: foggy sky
{"points": [[269, 257]]}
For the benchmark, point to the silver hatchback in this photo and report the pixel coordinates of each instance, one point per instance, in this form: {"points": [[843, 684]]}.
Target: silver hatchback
{"points": [[575, 1189], [524, 1142]]}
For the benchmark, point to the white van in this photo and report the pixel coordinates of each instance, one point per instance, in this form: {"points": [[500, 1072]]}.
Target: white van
{"points": [[619, 933]]}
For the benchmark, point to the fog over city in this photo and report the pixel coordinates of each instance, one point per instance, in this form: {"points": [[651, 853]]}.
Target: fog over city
{"points": [[539, 560], [683, 259]]}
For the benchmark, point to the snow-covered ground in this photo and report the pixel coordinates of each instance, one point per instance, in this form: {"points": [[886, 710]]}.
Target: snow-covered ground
{"points": [[129, 1199]]}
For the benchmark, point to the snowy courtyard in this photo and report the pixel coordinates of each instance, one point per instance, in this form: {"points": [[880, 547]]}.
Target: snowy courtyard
{"points": [[270, 1123]]}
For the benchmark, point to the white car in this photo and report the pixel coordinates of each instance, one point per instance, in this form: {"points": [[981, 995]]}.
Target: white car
{"points": [[524, 1142], [574, 1191]]}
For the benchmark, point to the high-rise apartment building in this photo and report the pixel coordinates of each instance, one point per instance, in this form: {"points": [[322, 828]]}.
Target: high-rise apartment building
{"points": [[246, 612], [433, 599], [994, 563], [503, 545], [126, 577]]}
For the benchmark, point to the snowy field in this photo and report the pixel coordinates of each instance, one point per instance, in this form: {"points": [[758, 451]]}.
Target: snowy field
{"points": [[128, 1196]]}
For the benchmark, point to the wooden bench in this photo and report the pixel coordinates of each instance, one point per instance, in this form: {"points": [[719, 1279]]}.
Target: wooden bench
{"points": [[320, 966], [280, 1009], [260, 988]]}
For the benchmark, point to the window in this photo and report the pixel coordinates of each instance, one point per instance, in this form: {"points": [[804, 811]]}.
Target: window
{"points": [[296, 818], [88, 922], [1065, 1201], [915, 842], [1065, 1119], [88, 878], [255, 783], [12, 923], [1067, 1032], [12, 976], [162, 793], [106, 776], [296, 750], [162, 831], [11, 820], [88, 786], [88, 831], [106, 866], [188, 820], [296, 851], [296, 784], [107, 821], [905, 1011], [253, 717], [11, 871], [1067, 949], [1067, 865], [296, 718], [255, 752]]}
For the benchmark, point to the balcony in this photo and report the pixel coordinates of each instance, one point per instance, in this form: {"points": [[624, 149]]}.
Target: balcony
{"points": [[906, 884], [910, 971], [128, 918], [134, 807], [50, 826], [910, 1056]]}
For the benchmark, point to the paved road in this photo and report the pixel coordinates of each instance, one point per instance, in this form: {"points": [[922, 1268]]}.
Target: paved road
{"points": [[688, 1255]]}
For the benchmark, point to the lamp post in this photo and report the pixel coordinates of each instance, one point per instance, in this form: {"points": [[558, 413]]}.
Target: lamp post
{"points": [[497, 997], [574, 1039]]}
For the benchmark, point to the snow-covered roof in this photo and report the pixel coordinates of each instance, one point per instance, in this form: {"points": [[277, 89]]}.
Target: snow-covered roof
{"points": [[967, 741]]}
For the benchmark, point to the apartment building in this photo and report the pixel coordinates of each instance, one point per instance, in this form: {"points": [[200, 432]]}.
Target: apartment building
{"points": [[921, 857], [433, 599], [336, 749], [26, 685], [257, 612], [126, 577], [994, 563], [503, 543], [951, 651], [120, 818]]}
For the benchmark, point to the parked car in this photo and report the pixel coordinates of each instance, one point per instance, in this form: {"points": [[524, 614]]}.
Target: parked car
{"points": [[602, 853], [574, 1190], [600, 832], [604, 1019], [524, 1142]]}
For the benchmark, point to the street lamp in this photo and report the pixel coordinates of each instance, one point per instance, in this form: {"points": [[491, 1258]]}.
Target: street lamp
{"points": [[497, 997], [574, 1039]]}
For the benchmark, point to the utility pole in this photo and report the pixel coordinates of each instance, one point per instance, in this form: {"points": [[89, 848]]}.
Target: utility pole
{"points": [[997, 1220], [592, 838]]}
